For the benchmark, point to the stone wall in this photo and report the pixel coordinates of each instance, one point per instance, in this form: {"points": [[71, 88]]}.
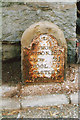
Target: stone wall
{"points": [[19, 16], [78, 29]]}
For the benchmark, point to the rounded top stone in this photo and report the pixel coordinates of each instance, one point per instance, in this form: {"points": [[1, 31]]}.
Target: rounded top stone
{"points": [[43, 27]]}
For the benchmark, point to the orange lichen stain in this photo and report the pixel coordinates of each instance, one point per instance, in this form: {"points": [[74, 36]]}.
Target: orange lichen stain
{"points": [[29, 81], [44, 75], [32, 55], [34, 76]]}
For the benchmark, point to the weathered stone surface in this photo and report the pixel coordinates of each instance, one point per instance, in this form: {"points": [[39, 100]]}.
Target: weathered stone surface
{"points": [[0, 62], [55, 40], [68, 111], [17, 17], [78, 26], [74, 98], [63, 15], [6, 88], [10, 51], [71, 50], [69, 86], [44, 27], [79, 95], [48, 100], [0, 91], [9, 103], [33, 32]]}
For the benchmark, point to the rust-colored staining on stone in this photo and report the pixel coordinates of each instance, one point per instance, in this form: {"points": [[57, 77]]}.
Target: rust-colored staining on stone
{"points": [[43, 61]]}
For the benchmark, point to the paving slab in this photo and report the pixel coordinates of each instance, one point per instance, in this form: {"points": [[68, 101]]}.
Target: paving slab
{"points": [[74, 98], [8, 103], [31, 101], [47, 100]]}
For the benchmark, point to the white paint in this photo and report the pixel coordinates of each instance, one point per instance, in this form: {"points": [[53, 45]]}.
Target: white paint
{"points": [[48, 59]]}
